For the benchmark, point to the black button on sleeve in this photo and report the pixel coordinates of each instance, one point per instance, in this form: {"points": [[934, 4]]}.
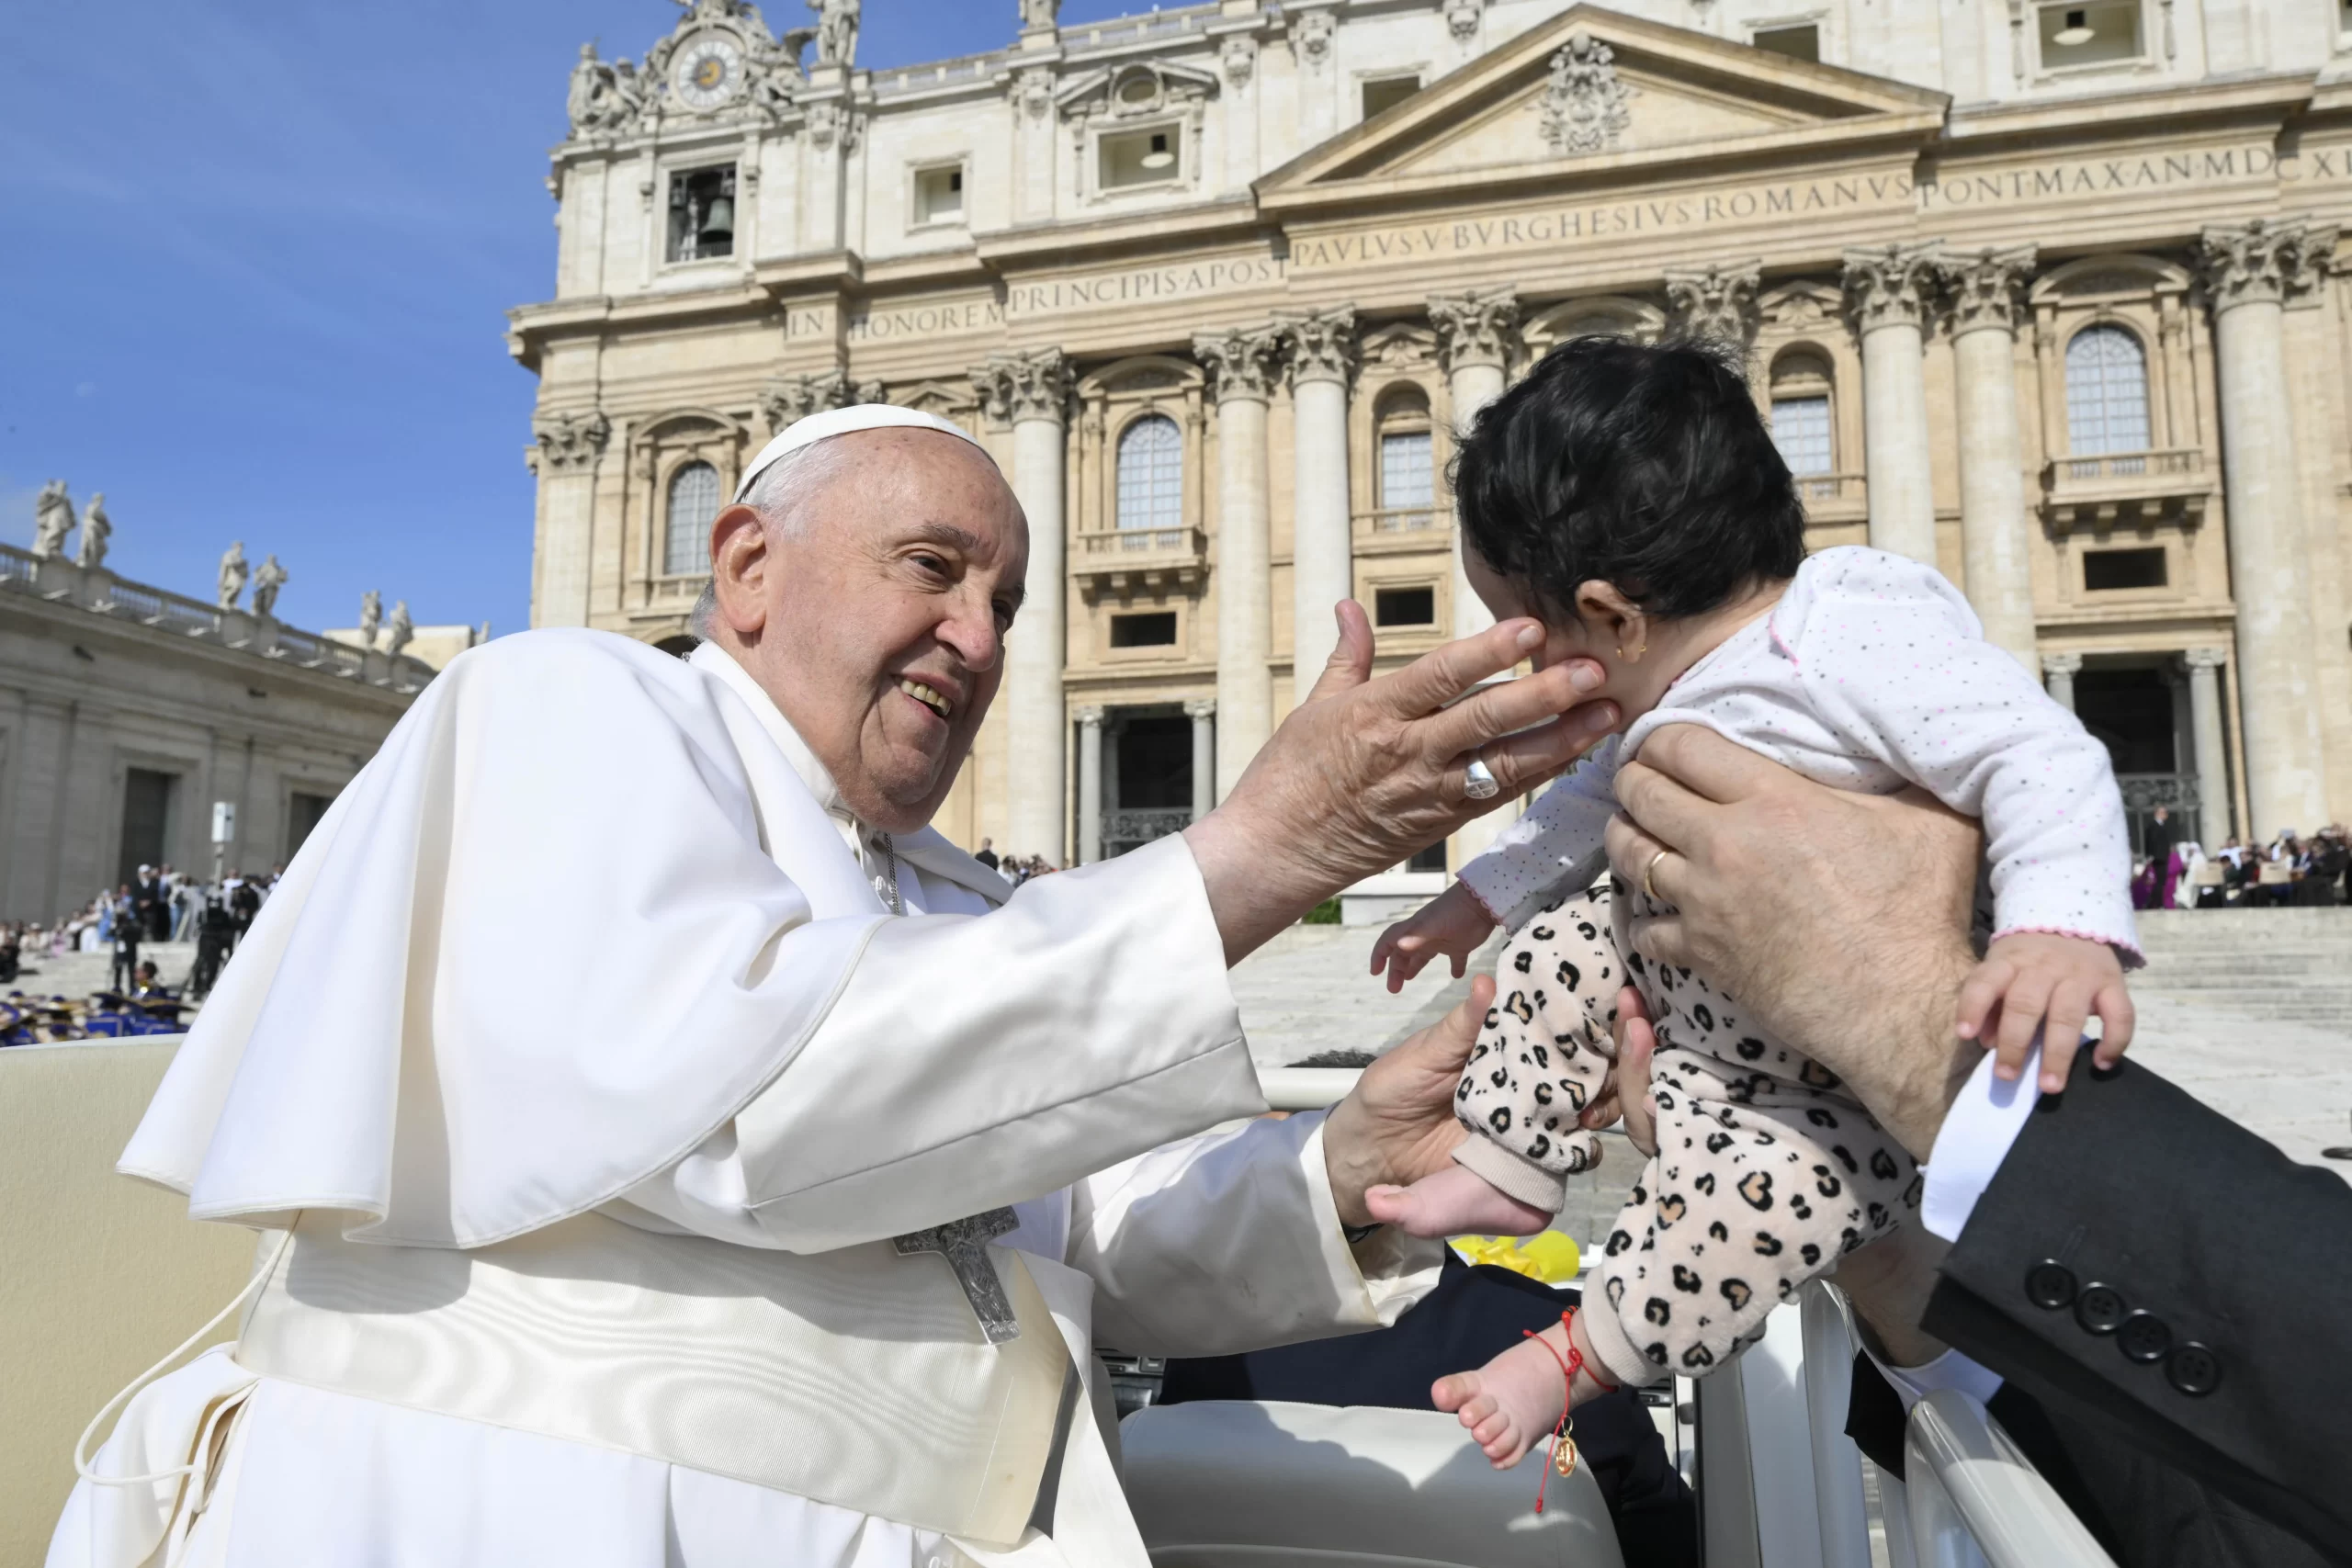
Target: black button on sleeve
{"points": [[2049, 1285], [2099, 1309], [2193, 1370], [2143, 1337]]}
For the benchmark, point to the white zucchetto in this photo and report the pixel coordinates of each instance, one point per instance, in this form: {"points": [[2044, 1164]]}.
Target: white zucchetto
{"points": [[824, 426]]}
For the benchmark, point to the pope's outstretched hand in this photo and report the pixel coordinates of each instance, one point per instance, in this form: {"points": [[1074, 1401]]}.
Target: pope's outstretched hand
{"points": [[1366, 772]]}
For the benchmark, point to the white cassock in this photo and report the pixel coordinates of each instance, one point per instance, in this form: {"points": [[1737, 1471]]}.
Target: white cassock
{"points": [[594, 940]]}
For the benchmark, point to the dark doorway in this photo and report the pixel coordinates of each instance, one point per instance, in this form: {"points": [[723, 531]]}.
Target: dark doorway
{"points": [[146, 820], [2133, 712], [1150, 791], [302, 814]]}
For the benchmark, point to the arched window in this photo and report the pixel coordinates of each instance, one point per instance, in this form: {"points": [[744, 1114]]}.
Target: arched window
{"points": [[1800, 422], [2106, 392], [694, 502], [1407, 478], [1151, 474]]}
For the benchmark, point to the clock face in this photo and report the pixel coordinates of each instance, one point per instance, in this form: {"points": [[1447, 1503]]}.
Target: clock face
{"points": [[708, 71]]}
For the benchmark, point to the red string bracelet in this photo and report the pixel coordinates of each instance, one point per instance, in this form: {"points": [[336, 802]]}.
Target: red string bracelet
{"points": [[1564, 1443]]}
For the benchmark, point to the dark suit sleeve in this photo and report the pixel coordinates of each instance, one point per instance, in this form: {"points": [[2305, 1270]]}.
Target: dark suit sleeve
{"points": [[2144, 1262]]}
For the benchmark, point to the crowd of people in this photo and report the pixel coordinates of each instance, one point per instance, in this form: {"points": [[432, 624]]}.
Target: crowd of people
{"points": [[2175, 872], [159, 904], [1015, 869]]}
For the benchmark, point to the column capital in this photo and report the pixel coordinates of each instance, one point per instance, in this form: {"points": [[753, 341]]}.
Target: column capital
{"points": [[1717, 301], [2062, 664], [572, 442], [790, 399], [1985, 289], [1477, 328], [1016, 388], [2196, 659], [1200, 708], [1888, 285], [1320, 344], [1089, 716], [1241, 361], [2266, 261]]}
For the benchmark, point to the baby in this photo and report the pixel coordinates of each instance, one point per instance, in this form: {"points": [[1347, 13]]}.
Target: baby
{"points": [[1630, 498]]}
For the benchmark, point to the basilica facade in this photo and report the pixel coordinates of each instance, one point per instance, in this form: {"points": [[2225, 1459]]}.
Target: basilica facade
{"points": [[2047, 295]]}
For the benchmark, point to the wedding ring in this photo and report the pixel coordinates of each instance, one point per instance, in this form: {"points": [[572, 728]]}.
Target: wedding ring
{"points": [[1649, 889], [1478, 781]]}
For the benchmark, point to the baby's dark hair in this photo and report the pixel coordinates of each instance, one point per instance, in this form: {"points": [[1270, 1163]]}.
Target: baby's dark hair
{"points": [[1646, 467]]}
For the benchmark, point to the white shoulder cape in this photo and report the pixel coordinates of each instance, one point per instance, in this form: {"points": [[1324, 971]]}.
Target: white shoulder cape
{"points": [[576, 913]]}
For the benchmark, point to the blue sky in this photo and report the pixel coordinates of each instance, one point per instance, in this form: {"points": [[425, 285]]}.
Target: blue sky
{"points": [[253, 281]]}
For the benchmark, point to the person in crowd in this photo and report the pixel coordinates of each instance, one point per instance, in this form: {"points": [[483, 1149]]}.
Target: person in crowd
{"points": [[216, 931], [148, 983], [2156, 840], [988, 856], [12, 938], [186, 900], [2166, 1286], [1631, 496], [126, 929], [244, 903], [154, 904]]}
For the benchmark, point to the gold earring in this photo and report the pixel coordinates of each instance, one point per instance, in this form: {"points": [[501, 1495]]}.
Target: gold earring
{"points": [[1637, 652]]}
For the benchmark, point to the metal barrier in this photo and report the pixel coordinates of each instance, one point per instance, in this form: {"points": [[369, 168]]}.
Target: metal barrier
{"points": [[1974, 1497], [1306, 1088]]}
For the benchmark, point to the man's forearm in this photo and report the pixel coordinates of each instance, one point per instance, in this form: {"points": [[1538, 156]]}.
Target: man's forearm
{"points": [[1910, 1080]]}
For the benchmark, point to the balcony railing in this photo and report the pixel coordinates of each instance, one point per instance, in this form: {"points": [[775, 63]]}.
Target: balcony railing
{"points": [[1124, 561], [1125, 830], [2161, 484], [101, 592], [1403, 520]]}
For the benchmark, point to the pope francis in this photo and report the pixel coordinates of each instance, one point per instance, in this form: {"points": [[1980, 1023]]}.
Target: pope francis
{"points": [[670, 1151]]}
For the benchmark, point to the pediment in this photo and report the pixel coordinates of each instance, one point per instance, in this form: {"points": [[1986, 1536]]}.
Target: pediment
{"points": [[1593, 91]]}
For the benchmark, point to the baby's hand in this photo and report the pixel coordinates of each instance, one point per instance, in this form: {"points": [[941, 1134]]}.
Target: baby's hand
{"points": [[1453, 924], [2033, 979]]}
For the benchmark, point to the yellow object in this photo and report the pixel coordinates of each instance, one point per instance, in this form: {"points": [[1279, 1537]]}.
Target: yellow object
{"points": [[1547, 1256]]}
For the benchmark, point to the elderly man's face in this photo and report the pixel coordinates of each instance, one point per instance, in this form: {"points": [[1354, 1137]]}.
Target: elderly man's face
{"points": [[875, 617]]}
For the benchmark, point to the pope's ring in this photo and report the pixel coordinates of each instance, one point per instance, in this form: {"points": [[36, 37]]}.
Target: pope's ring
{"points": [[1478, 781], [1649, 889]]}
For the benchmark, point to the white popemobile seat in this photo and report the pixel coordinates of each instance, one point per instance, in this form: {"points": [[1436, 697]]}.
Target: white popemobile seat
{"points": [[1247, 1484]]}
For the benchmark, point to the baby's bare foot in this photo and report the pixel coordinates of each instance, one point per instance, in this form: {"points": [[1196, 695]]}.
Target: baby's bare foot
{"points": [[1510, 1404], [1456, 1200]]}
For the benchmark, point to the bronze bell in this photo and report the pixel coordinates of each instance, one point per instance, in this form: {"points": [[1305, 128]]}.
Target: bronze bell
{"points": [[717, 222]]}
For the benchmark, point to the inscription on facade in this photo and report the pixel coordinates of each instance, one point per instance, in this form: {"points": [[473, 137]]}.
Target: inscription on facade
{"points": [[2095, 176], [1143, 286], [1657, 215], [897, 323]]}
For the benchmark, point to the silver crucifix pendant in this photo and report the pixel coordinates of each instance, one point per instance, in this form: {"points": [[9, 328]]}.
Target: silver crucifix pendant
{"points": [[965, 1245]]}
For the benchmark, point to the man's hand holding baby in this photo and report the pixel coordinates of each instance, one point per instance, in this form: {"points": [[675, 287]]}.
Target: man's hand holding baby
{"points": [[2041, 982]]}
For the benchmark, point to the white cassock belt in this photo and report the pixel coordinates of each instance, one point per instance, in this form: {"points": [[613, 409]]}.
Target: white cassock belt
{"points": [[858, 1377]]}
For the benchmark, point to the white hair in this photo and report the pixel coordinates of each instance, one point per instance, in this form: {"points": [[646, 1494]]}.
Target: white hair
{"points": [[779, 495]]}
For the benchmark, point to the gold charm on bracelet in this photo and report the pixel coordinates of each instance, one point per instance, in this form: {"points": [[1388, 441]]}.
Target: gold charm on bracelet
{"points": [[1564, 1455]]}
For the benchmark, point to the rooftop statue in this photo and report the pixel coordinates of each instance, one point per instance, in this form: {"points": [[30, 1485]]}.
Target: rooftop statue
{"points": [[401, 632], [232, 575], [836, 31], [371, 616], [52, 519], [97, 527], [269, 578]]}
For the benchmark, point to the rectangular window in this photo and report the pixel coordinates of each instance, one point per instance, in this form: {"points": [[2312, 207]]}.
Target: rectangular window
{"points": [[2105, 569], [1387, 92], [1430, 859], [1801, 430], [939, 195], [146, 820], [1141, 157], [1802, 42], [1406, 479], [1156, 629], [702, 214], [2090, 35], [1404, 607]]}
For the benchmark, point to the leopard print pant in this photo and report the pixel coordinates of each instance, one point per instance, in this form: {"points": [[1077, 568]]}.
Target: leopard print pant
{"points": [[1766, 1172]]}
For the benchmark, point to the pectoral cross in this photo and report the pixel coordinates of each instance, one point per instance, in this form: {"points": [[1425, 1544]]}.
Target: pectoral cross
{"points": [[965, 1245]]}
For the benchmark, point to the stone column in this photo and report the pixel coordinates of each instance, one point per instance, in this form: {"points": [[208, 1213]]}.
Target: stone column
{"points": [[2247, 270], [569, 447], [1717, 302], [1476, 336], [1202, 711], [1241, 361], [1031, 391], [1090, 786], [2058, 671], [2204, 666], [1987, 291], [1322, 355], [1886, 290]]}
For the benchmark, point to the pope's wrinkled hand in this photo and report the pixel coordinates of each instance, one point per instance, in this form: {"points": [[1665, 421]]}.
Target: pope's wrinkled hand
{"points": [[1368, 772]]}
